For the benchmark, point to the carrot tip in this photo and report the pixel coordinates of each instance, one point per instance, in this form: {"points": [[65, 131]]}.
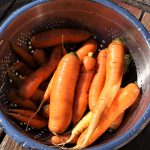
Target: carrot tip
{"points": [[117, 39], [90, 54]]}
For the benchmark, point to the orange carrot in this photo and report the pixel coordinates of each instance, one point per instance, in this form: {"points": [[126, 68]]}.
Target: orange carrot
{"points": [[98, 79], [37, 95], [54, 37], [24, 103], [116, 123], [45, 111], [60, 139], [124, 99], [21, 68], [34, 80], [88, 46], [114, 73], [37, 123], [48, 89], [23, 112], [87, 71], [40, 56], [24, 55], [62, 93]]}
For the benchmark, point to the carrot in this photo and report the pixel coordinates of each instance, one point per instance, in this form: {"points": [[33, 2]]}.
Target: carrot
{"points": [[15, 98], [34, 80], [48, 89], [87, 71], [62, 93], [54, 37], [37, 123], [80, 127], [116, 123], [21, 68], [98, 79], [114, 73], [40, 56], [37, 95], [124, 99], [88, 46], [23, 112], [45, 111], [26, 104], [24, 55], [60, 139]]}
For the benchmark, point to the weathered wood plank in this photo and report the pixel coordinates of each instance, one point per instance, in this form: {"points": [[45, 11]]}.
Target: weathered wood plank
{"points": [[146, 21], [9, 144], [133, 10], [141, 4]]}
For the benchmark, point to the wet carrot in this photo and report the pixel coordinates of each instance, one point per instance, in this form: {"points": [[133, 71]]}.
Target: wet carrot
{"points": [[114, 73], [88, 46], [24, 55], [123, 100], [36, 78], [87, 71], [54, 37], [62, 93], [98, 79]]}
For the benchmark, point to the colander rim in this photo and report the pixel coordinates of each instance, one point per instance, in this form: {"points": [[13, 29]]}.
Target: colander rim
{"points": [[27, 142]]}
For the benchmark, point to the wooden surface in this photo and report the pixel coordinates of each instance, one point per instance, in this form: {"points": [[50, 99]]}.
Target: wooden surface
{"points": [[141, 12]]}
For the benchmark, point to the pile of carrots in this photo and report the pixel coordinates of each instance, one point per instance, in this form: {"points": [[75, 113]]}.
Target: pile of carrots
{"points": [[78, 91]]}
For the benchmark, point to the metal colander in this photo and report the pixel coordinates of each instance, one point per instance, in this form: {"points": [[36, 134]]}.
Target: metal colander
{"points": [[103, 19]]}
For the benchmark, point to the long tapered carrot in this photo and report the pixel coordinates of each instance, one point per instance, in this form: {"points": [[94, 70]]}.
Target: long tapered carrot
{"points": [[60, 139], [80, 104], [124, 99], [33, 81], [21, 68], [62, 93], [80, 127], [114, 73], [100, 75], [23, 112], [37, 123], [40, 57], [54, 37], [88, 46], [24, 55], [117, 122], [98, 79]]}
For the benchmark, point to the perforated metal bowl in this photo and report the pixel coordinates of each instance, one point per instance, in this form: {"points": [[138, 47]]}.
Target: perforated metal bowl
{"points": [[103, 19]]}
